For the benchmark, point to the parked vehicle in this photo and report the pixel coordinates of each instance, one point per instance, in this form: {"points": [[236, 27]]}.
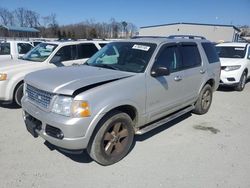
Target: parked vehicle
{"points": [[13, 49], [43, 56], [128, 87], [235, 64]]}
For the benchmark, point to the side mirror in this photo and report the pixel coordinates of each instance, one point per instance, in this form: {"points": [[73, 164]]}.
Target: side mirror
{"points": [[160, 71], [56, 59]]}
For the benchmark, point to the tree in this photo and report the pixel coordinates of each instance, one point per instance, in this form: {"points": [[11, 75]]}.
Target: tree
{"points": [[59, 35], [20, 16], [92, 33], [6, 17], [124, 25], [64, 35]]}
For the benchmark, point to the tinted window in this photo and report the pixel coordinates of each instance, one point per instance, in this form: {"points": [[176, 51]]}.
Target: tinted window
{"points": [[231, 52], [23, 48], [102, 44], [248, 56], [210, 52], [4, 48], [169, 57], [190, 56], [67, 53], [86, 50]]}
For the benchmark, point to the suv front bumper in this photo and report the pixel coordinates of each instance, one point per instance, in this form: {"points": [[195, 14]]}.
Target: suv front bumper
{"points": [[64, 132], [230, 78]]}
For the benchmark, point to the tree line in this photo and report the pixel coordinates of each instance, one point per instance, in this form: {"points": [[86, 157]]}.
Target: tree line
{"points": [[50, 28]]}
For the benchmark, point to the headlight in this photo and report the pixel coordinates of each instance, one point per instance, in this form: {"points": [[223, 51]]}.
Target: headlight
{"points": [[231, 68], [66, 106], [62, 105], [3, 76]]}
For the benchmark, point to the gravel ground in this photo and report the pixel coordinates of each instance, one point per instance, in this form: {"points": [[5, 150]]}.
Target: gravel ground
{"points": [[211, 150]]}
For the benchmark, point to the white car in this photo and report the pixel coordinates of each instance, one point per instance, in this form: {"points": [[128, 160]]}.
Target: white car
{"points": [[44, 56], [13, 49], [235, 64]]}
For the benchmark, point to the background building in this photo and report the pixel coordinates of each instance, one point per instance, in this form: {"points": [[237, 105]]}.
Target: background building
{"points": [[213, 32], [18, 32]]}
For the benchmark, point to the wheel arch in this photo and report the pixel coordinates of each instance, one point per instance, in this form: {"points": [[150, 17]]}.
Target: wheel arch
{"points": [[128, 109]]}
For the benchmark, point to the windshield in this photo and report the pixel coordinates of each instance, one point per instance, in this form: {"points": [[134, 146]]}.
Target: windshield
{"points": [[40, 53], [231, 52], [123, 56]]}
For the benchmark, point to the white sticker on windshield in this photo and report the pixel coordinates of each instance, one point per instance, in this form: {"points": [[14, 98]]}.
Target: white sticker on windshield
{"points": [[239, 49], [50, 47], [141, 47]]}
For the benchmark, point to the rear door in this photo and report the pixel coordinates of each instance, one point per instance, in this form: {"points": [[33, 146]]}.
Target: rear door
{"points": [[193, 69]]}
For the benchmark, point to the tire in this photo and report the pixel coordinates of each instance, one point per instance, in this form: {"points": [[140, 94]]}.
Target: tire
{"points": [[242, 83], [18, 94], [204, 101], [113, 140]]}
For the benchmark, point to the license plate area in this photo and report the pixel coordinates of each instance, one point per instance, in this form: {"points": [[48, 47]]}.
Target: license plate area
{"points": [[32, 124]]}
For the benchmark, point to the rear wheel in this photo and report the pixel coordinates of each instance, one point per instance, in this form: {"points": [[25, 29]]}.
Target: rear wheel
{"points": [[204, 101], [242, 83], [18, 94], [113, 139]]}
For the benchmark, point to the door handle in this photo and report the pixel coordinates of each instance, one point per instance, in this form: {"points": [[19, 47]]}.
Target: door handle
{"points": [[202, 71], [178, 78]]}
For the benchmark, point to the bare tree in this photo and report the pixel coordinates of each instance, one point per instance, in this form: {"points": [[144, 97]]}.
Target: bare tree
{"points": [[20, 16], [31, 18], [6, 17]]}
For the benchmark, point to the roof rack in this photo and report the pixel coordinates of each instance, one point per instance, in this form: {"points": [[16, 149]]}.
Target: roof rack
{"points": [[138, 37], [186, 36]]}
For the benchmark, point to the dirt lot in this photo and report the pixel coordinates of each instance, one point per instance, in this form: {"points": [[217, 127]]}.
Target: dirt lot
{"points": [[212, 150]]}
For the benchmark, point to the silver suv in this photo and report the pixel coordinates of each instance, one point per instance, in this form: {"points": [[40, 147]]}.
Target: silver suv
{"points": [[128, 87]]}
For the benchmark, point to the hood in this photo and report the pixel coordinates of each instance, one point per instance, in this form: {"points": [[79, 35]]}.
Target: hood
{"points": [[67, 80], [14, 64], [231, 61]]}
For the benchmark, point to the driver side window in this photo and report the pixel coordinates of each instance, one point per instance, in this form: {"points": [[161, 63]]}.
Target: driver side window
{"points": [[67, 53], [169, 57]]}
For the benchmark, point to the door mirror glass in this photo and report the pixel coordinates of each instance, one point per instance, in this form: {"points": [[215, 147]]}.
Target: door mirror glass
{"points": [[160, 71]]}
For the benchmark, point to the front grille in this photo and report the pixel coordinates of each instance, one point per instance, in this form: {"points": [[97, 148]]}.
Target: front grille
{"points": [[38, 96]]}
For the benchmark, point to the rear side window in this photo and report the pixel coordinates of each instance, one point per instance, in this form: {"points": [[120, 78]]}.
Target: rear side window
{"points": [[86, 50], [23, 48], [210, 51], [190, 56], [5, 48]]}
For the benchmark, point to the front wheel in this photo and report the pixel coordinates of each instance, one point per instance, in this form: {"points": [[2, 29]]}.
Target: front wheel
{"points": [[204, 101], [242, 83], [18, 94], [113, 139]]}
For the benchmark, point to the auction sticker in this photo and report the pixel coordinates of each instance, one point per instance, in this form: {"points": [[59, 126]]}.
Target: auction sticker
{"points": [[141, 47]]}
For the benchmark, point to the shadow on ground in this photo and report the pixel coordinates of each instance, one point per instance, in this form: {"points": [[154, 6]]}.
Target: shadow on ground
{"points": [[83, 157], [8, 105], [229, 88]]}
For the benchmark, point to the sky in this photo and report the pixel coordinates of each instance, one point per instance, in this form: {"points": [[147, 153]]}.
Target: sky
{"points": [[140, 12]]}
